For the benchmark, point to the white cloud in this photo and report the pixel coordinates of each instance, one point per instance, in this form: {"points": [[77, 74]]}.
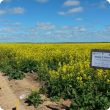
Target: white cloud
{"points": [[7, 1], [66, 14], [1, 20], [79, 19], [93, 4], [102, 4], [73, 34], [95, 22], [65, 27], [79, 28], [13, 24], [2, 12], [61, 13], [108, 27], [48, 33], [9, 29], [17, 10], [62, 32], [71, 3], [83, 29], [42, 1], [8, 21], [43, 24], [53, 27], [90, 26], [75, 10]]}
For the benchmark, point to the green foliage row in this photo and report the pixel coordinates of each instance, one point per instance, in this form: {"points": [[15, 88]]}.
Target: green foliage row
{"points": [[28, 66], [86, 98], [13, 73]]}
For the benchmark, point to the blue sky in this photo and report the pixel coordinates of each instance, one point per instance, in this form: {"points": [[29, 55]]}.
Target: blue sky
{"points": [[40, 21]]}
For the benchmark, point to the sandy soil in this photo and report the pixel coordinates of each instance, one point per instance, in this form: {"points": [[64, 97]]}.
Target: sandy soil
{"points": [[13, 89]]}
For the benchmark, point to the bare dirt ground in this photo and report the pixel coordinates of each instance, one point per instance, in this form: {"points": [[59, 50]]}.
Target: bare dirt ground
{"points": [[13, 89]]}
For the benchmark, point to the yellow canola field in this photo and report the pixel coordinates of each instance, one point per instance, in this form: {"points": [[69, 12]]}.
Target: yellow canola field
{"points": [[77, 56]]}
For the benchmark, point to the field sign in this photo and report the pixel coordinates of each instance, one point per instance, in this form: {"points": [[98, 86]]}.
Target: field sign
{"points": [[4, 78], [22, 96], [2, 83], [100, 59], [19, 100]]}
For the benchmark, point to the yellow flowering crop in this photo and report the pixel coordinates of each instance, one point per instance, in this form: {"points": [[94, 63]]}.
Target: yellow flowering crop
{"points": [[89, 77], [108, 81], [37, 91], [78, 78], [84, 75], [33, 90], [77, 56]]}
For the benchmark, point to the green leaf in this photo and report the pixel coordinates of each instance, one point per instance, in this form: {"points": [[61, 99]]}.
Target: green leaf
{"points": [[108, 103], [73, 91], [105, 99], [32, 71], [32, 100], [41, 102], [102, 98], [74, 104], [36, 105], [82, 108], [90, 101]]}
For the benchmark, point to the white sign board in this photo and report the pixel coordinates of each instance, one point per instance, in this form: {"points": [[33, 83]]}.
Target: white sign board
{"points": [[100, 59], [4, 78], [22, 96]]}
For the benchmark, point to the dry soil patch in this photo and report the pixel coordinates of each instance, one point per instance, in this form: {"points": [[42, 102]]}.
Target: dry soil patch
{"points": [[15, 88]]}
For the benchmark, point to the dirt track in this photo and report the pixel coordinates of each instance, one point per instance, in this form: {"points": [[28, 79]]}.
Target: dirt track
{"points": [[8, 100], [13, 89]]}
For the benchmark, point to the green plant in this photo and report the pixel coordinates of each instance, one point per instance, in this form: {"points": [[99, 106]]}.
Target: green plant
{"points": [[55, 99], [13, 63], [89, 100], [35, 99], [13, 73], [41, 77], [42, 90], [28, 65], [7, 53], [52, 64]]}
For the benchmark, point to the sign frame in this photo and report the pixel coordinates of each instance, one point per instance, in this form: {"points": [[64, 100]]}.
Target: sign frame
{"points": [[98, 50]]}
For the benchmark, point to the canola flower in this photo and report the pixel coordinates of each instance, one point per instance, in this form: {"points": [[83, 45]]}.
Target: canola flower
{"points": [[84, 76], [108, 81], [84, 84], [89, 77], [77, 56], [35, 90], [105, 76]]}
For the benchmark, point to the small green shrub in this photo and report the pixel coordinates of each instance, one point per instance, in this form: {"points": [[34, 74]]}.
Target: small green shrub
{"points": [[35, 99], [43, 90], [13, 73]]}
